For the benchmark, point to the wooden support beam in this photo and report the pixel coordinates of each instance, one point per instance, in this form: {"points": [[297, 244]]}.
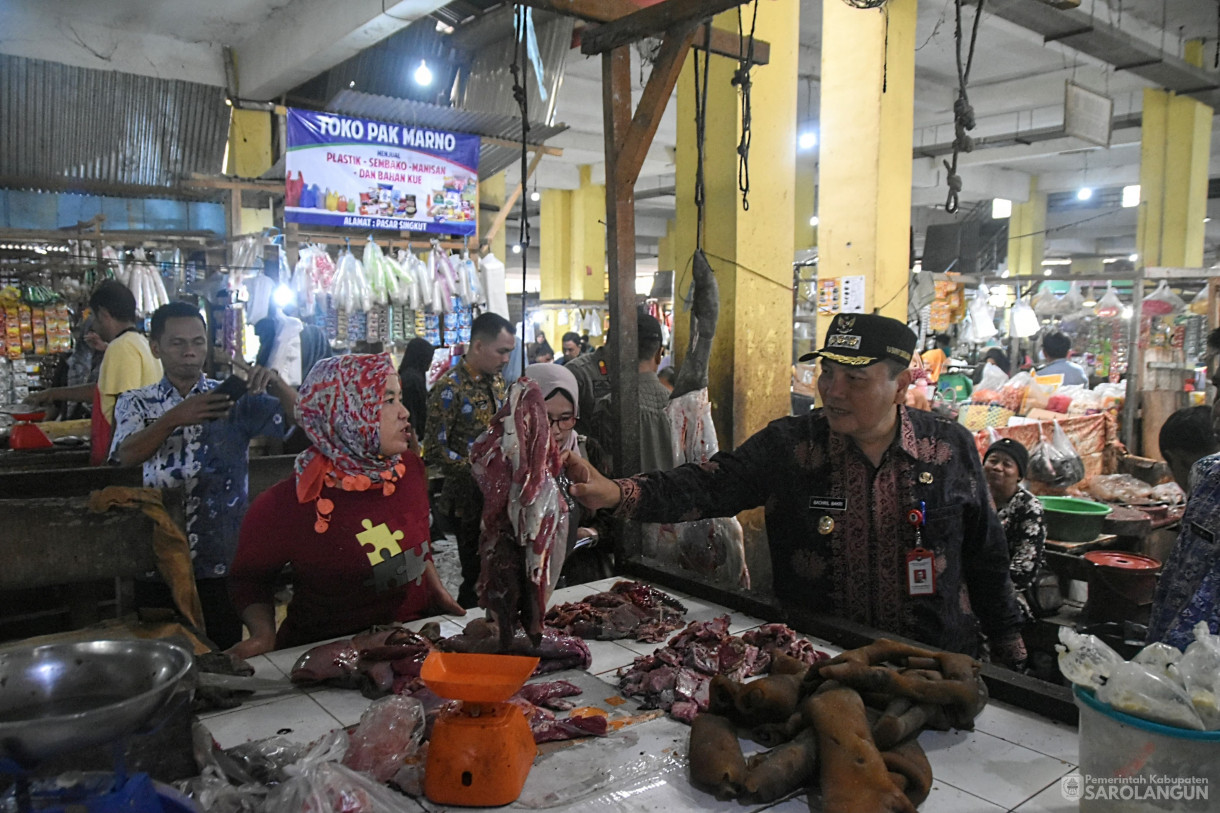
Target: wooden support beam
{"points": [[96, 187], [726, 43], [242, 184], [648, 21], [506, 209], [665, 71], [505, 142], [620, 260], [233, 213], [714, 40]]}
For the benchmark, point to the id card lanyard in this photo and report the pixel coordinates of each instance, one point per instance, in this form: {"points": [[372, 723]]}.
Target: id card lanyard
{"points": [[921, 574]]}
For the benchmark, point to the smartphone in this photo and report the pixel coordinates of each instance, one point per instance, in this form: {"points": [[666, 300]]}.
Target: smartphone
{"points": [[233, 387]]}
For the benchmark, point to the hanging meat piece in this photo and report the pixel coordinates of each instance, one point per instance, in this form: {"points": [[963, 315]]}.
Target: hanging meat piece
{"points": [[525, 515]]}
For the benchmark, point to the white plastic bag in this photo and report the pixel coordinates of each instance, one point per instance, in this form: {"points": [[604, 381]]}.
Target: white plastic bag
{"points": [[1158, 657], [1200, 673], [1024, 321], [1135, 690], [982, 315], [993, 378], [1086, 660]]}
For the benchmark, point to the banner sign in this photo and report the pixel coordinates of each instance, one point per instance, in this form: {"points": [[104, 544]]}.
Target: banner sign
{"points": [[344, 171]]}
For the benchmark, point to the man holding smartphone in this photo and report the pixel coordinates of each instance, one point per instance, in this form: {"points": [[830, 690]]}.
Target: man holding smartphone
{"points": [[194, 433]]}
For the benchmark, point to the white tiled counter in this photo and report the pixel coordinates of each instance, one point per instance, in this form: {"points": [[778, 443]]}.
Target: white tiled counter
{"points": [[1012, 761]]}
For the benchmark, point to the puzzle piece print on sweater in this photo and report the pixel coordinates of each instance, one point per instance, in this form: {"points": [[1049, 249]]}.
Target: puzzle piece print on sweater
{"points": [[398, 571]]}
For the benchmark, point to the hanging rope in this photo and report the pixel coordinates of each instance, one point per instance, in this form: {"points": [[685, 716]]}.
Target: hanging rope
{"points": [[700, 131], [519, 94], [741, 80], [963, 113]]}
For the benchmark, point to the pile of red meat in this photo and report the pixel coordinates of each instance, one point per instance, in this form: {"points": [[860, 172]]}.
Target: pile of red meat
{"points": [[676, 677], [378, 662], [388, 661], [627, 610]]}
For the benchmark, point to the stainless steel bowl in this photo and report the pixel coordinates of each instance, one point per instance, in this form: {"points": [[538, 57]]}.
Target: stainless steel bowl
{"points": [[62, 697]]}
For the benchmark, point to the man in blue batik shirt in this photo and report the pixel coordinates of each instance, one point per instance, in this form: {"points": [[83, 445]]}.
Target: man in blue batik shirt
{"points": [[189, 437], [1189, 588]]}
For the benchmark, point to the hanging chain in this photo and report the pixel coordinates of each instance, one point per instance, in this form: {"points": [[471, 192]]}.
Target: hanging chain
{"points": [[519, 94], [741, 80], [963, 113], [700, 131]]}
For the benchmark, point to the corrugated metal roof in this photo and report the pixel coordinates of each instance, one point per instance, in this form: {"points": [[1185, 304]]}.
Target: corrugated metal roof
{"points": [[492, 157], [103, 128]]}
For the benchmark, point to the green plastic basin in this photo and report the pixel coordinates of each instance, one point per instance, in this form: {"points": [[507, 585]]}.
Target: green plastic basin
{"points": [[1069, 519]]}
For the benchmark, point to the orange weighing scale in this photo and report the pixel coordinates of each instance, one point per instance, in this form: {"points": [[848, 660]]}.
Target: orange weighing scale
{"points": [[481, 751]]}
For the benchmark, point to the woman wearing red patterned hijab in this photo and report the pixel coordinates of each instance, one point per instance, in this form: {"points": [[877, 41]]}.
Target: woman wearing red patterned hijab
{"points": [[352, 521]]}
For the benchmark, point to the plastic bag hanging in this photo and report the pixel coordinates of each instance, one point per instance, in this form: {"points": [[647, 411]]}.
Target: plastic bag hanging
{"points": [[351, 289], [1109, 306], [1198, 305], [1073, 300], [1044, 302], [1056, 462], [983, 316], [1024, 320], [470, 273], [458, 269], [401, 290], [382, 279], [1163, 301], [421, 283]]}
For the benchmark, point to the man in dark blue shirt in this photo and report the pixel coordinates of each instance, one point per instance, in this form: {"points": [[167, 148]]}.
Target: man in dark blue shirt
{"points": [[874, 512]]}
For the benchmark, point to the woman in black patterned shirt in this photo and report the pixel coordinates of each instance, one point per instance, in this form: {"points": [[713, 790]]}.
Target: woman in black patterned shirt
{"points": [[1020, 513]]}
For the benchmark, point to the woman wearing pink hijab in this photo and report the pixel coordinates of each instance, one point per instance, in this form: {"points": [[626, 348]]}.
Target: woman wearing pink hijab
{"points": [[584, 559], [352, 521]]}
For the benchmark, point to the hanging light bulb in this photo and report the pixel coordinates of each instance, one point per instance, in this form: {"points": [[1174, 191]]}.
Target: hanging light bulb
{"points": [[283, 296], [423, 74], [535, 196], [516, 248], [1084, 193], [807, 140], [813, 221]]}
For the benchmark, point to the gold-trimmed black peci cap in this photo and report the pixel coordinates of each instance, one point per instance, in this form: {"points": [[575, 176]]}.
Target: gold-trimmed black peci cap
{"points": [[861, 339]]}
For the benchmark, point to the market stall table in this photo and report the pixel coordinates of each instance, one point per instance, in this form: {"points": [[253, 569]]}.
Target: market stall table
{"points": [[1013, 760]]}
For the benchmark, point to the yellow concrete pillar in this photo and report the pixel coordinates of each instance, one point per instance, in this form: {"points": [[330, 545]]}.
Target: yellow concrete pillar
{"points": [[589, 239], [665, 248], [249, 143], [493, 191], [865, 125], [806, 201], [1192, 52], [1175, 148], [1027, 233], [556, 259], [750, 251], [556, 244]]}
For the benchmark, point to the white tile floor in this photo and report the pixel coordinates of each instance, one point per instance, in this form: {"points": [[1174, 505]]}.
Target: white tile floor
{"points": [[1013, 761]]}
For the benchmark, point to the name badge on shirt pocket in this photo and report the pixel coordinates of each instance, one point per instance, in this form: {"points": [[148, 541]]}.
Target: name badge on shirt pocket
{"points": [[828, 503], [1203, 532]]}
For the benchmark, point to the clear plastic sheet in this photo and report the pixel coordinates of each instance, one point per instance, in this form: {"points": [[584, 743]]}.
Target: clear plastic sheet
{"points": [[318, 783], [389, 732], [610, 774]]}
